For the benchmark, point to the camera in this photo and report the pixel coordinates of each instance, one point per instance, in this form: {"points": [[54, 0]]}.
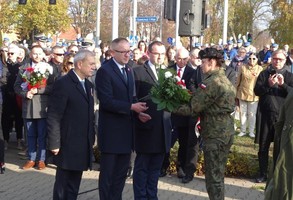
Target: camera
{"points": [[273, 72]]}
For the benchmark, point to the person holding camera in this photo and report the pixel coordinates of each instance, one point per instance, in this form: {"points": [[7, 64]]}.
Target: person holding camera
{"points": [[271, 87]]}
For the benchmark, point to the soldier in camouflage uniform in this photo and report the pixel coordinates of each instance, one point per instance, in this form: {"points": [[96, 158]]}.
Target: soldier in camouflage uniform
{"points": [[214, 100]]}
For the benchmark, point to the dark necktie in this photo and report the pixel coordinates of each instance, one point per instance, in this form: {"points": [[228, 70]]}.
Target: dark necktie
{"points": [[124, 74], [83, 85]]}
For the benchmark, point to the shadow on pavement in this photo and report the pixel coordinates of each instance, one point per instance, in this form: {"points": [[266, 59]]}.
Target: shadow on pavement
{"points": [[17, 184]]}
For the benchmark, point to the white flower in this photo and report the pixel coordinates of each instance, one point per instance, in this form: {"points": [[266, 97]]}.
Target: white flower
{"points": [[50, 69], [168, 74], [163, 67], [178, 78], [42, 67]]}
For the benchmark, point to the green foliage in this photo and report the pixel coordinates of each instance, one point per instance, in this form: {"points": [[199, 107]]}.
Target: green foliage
{"points": [[242, 159], [241, 164], [169, 93], [281, 26], [173, 158], [37, 16], [243, 16]]}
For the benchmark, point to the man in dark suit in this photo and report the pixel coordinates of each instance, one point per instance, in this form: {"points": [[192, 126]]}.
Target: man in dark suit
{"points": [[182, 124], [115, 91], [71, 125], [152, 128]]}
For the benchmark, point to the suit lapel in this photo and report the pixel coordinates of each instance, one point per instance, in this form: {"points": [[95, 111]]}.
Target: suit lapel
{"points": [[186, 73], [78, 84], [89, 90], [130, 81], [118, 72], [150, 72]]}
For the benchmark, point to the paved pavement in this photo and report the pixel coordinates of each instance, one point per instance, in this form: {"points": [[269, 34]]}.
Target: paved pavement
{"points": [[17, 184]]}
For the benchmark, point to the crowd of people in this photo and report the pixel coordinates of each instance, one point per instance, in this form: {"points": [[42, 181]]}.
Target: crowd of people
{"points": [[102, 93]]}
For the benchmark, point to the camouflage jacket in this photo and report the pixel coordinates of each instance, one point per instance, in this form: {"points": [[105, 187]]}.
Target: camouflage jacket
{"points": [[214, 101]]}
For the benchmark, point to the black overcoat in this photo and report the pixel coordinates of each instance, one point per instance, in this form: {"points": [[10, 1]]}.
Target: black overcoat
{"points": [[70, 123]]}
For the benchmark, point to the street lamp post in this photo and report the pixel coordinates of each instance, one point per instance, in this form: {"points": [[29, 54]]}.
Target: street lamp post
{"points": [[161, 20], [98, 22], [177, 38], [134, 17], [225, 24], [115, 21]]}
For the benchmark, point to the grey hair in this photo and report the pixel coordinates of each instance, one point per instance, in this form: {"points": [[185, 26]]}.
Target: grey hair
{"points": [[117, 41], [81, 55], [281, 51], [13, 46], [56, 47]]}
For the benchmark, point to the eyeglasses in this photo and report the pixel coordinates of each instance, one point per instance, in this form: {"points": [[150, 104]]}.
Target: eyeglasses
{"points": [[158, 54], [59, 54], [252, 58], [278, 59], [122, 52], [70, 63], [10, 53]]}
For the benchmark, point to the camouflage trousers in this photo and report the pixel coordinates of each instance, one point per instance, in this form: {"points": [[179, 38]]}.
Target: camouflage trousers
{"points": [[215, 159]]}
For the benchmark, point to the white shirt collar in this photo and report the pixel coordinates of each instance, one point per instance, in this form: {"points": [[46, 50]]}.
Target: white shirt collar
{"points": [[151, 65], [153, 68], [34, 64], [182, 70], [119, 65], [78, 76]]}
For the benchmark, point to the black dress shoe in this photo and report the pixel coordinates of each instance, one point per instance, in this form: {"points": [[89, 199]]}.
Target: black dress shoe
{"points": [[187, 179], [261, 179], [2, 168], [180, 173]]}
